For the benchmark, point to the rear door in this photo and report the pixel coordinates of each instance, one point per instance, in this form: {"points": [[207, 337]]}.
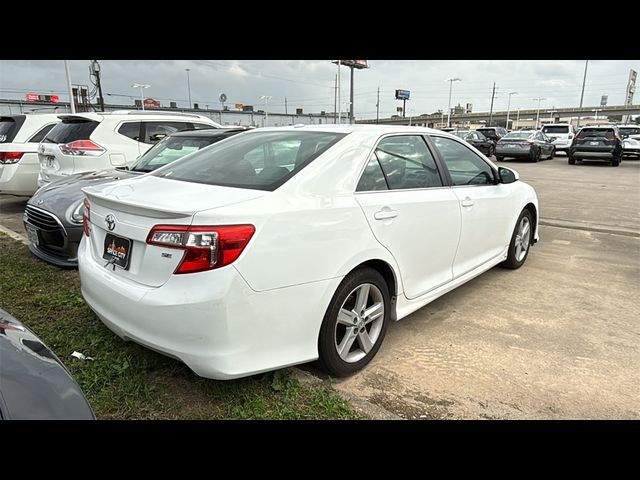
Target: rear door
{"points": [[411, 211], [485, 205]]}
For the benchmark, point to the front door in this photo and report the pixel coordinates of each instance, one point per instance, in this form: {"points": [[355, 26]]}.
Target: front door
{"points": [[486, 206]]}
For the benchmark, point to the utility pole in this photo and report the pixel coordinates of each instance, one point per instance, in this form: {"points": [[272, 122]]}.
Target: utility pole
{"points": [[72, 102], [351, 115], [378, 107], [508, 107], [188, 85], [339, 102], [285, 106], [493, 94], [95, 71], [584, 80], [335, 101], [451, 80]]}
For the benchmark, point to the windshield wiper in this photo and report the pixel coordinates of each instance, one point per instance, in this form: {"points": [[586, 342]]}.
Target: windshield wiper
{"points": [[122, 168]]}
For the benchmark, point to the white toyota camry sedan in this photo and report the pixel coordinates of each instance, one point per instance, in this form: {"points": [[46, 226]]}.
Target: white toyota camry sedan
{"points": [[281, 246]]}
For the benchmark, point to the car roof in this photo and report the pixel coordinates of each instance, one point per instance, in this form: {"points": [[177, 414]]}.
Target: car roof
{"points": [[333, 128], [556, 125], [132, 114]]}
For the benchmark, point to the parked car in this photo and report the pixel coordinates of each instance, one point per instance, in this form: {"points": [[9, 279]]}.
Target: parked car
{"points": [[284, 245], [53, 216], [478, 140], [529, 144], [87, 142], [563, 134], [630, 135], [602, 143], [34, 384], [494, 133], [19, 138]]}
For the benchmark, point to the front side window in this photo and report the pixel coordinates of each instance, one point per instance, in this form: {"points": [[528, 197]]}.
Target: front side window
{"points": [[407, 163], [465, 167], [255, 160], [156, 131]]}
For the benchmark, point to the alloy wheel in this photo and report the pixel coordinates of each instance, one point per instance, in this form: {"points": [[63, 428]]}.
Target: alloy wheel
{"points": [[522, 239]]}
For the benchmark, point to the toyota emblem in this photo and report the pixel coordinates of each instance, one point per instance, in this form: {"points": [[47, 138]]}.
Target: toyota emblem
{"points": [[110, 220]]}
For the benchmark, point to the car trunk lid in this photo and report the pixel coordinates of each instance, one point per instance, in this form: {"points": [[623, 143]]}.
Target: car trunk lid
{"points": [[127, 210]]}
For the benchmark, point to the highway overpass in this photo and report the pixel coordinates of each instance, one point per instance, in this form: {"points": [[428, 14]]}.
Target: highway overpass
{"points": [[433, 118]]}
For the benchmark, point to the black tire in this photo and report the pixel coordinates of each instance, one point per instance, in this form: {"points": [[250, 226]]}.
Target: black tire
{"points": [[572, 161], [553, 153], [615, 162], [499, 159], [491, 151], [329, 359], [512, 262], [536, 155]]}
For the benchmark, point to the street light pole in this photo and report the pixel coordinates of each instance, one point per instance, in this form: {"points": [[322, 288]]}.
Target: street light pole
{"points": [[584, 81], [539, 99], [266, 99], [518, 118], [189, 85], [451, 80], [508, 107], [141, 86], [597, 110]]}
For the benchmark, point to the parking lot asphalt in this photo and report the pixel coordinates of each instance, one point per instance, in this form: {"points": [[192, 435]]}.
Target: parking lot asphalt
{"points": [[558, 338]]}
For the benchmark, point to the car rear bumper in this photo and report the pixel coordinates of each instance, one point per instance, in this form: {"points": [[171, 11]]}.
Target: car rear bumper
{"points": [[515, 152], [592, 155], [212, 321], [19, 178]]}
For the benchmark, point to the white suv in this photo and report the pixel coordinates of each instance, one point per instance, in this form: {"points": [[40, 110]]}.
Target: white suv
{"points": [[563, 134], [87, 142], [19, 138], [630, 135]]}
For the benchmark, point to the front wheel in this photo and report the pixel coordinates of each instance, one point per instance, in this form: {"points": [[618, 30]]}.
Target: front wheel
{"points": [[520, 241], [355, 323], [491, 151], [553, 153]]}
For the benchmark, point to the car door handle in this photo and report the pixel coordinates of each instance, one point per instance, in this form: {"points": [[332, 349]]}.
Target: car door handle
{"points": [[467, 202], [385, 214]]}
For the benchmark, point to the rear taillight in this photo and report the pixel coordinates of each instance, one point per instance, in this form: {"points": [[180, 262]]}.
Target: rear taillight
{"points": [[206, 247], [530, 141], [82, 148], [86, 217], [10, 157]]}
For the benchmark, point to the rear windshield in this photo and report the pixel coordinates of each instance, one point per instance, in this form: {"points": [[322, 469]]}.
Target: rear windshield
{"points": [[597, 132], [486, 130], [9, 127], [256, 160], [69, 130], [171, 149], [556, 129], [511, 135], [626, 131]]}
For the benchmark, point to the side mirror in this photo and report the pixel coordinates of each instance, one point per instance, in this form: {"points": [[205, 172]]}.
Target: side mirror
{"points": [[507, 175], [157, 137]]}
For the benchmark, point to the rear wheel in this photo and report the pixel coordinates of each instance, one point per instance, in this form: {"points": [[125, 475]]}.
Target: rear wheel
{"points": [[520, 241], [535, 155], [355, 323], [572, 161], [615, 162], [499, 159]]}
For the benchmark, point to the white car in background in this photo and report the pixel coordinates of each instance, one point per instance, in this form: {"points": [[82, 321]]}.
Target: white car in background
{"points": [[630, 135], [279, 246], [19, 139], [562, 133], [87, 142]]}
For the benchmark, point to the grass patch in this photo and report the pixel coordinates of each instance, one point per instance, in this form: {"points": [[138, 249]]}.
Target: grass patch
{"points": [[126, 381]]}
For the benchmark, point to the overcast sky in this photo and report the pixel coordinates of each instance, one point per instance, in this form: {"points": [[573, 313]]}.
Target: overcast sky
{"points": [[310, 83]]}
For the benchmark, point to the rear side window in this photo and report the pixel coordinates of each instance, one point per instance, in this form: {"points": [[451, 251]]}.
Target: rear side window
{"points": [[37, 138], [626, 131], [9, 127], [258, 160], [131, 130], [487, 131], [550, 130], [372, 178], [69, 130]]}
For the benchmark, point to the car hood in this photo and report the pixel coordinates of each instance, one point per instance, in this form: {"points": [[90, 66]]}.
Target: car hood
{"points": [[58, 196], [34, 384]]}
